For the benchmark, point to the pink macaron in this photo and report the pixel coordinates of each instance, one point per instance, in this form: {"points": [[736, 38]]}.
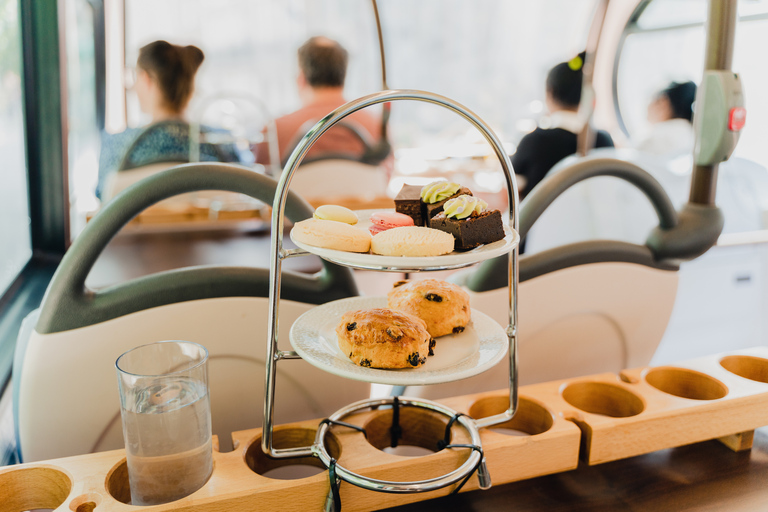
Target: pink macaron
{"points": [[382, 221]]}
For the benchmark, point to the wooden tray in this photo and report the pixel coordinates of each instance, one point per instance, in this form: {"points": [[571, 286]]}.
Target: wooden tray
{"points": [[602, 417]]}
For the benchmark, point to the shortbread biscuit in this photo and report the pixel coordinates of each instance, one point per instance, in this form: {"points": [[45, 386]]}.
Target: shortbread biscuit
{"points": [[412, 241], [330, 234]]}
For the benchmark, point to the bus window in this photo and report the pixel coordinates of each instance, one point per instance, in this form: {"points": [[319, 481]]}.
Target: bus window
{"points": [[82, 124], [473, 52], [646, 64], [490, 55], [250, 46], [16, 245], [478, 53]]}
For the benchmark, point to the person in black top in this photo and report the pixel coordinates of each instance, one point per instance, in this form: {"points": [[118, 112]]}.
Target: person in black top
{"points": [[541, 149]]}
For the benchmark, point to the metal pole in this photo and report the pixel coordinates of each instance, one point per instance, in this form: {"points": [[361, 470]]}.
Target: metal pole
{"points": [[721, 30], [586, 139], [385, 112]]}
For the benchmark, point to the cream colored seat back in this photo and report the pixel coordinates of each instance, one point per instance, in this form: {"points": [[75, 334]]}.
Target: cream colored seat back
{"points": [[582, 320], [585, 307], [346, 182], [65, 385], [68, 401]]}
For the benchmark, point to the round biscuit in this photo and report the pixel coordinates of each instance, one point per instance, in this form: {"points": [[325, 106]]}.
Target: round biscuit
{"points": [[412, 241], [330, 234]]}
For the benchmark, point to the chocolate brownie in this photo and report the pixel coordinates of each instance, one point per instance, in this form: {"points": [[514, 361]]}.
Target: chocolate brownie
{"points": [[408, 202], [430, 210], [478, 229]]}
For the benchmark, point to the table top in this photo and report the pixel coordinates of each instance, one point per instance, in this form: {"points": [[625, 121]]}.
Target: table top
{"points": [[705, 477]]}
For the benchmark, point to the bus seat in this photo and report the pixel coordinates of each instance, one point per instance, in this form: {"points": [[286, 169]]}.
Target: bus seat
{"points": [[120, 181], [134, 165], [135, 154], [584, 307], [606, 208], [734, 277], [64, 382], [344, 134], [573, 323], [345, 182]]}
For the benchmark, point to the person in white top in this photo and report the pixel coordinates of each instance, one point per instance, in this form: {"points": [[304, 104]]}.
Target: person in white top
{"points": [[671, 114]]}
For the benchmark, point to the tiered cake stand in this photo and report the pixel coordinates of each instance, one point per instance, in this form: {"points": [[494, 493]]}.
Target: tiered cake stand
{"points": [[313, 338]]}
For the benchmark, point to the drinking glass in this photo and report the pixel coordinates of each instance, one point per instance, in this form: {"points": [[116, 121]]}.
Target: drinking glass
{"points": [[166, 420]]}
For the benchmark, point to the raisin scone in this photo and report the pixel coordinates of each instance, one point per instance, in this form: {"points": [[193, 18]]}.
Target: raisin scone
{"points": [[443, 306], [383, 338]]}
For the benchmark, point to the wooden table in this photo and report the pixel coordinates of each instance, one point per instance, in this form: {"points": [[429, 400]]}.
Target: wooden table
{"points": [[703, 477]]}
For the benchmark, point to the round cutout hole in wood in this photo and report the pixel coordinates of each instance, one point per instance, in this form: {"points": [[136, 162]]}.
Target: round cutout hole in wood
{"points": [[530, 419], [117, 482], [686, 383], [33, 488], [604, 399], [747, 367], [289, 469], [85, 503], [420, 429]]}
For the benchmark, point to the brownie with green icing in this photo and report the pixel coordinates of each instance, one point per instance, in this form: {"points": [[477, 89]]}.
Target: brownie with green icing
{"points": [[470, 223], [429, 210]]}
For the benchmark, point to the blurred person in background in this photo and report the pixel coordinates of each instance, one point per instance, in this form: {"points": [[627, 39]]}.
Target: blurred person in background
{"points": [[557, 134], [322, 71], [165, 82], [671, 115]]}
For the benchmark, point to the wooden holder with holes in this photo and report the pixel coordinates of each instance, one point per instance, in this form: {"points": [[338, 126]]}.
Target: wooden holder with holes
{"points": [[602, 417]]}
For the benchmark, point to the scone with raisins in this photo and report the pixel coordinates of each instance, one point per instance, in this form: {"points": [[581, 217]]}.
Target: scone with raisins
{"points": [[383, 338], [443, 306]]}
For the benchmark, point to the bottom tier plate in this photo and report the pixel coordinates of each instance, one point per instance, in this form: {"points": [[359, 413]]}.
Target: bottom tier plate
{"points": [[457, 356]]}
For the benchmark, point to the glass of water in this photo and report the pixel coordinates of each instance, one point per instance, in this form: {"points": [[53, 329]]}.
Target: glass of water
{"points": [[166, 420]]}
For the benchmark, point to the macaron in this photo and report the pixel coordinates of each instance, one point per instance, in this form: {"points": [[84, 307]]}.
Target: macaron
{"points": [[382, 221], [335, 212]]}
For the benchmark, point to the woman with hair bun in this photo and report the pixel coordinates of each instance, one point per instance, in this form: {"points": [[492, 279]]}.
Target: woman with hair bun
{"points": [[671, 114], [165, 82], [165, 79], [556, 138]]}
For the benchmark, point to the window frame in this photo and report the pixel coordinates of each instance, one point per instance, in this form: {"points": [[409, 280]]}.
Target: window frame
{"points": [[45, 125]]}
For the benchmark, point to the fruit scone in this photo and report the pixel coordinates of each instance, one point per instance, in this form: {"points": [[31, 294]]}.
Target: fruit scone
{"points": [[442, 305], [383, 338]]}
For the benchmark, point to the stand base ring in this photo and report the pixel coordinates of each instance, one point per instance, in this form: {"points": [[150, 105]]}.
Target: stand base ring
{"points": [[473, 462]]}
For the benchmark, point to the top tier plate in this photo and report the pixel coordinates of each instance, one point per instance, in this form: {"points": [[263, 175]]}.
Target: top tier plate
{"points": [[456, 259]]}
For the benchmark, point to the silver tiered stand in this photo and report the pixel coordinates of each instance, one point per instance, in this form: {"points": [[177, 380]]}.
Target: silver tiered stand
{"points": [[475, 460]]}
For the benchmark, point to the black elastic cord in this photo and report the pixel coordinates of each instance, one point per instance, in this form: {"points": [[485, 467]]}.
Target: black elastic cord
{"points": [[480, 461], [444, 442], [395, 431], [335, 485], [331, 422]]}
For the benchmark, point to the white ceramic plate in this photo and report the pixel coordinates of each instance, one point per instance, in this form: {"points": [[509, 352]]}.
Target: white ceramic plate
{"points": [[457, 356], [403, 263]]}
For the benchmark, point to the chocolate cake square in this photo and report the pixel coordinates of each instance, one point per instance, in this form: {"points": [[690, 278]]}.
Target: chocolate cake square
{"points": [[473, 231], [430, 210], [408, 202]]}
